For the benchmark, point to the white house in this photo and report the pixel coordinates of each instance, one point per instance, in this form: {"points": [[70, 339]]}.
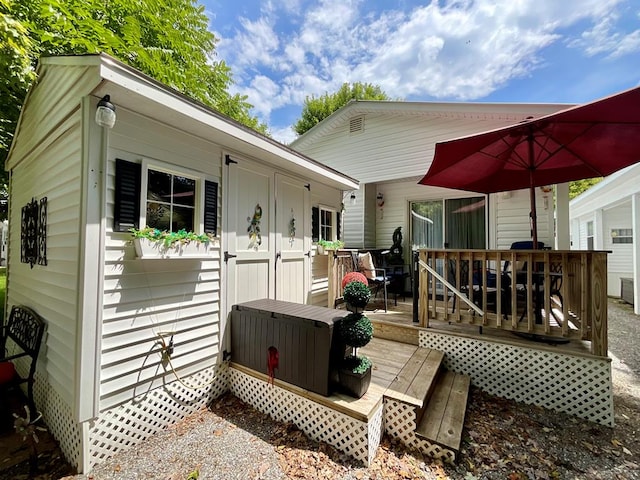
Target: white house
{"points": [[389, 146], [607, 217], [105, 366]]}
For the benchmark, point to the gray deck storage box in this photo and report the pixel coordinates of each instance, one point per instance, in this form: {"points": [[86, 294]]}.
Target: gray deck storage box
{"points": [[302, 334]]}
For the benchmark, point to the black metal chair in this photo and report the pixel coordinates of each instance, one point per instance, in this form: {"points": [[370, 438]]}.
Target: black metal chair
{"points": [[25, 329]]}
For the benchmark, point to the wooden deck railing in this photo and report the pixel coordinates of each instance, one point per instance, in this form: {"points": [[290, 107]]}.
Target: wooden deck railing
{"points": [[553, 293]]}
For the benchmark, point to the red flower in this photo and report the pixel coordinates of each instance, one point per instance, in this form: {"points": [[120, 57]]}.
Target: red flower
{"points": [[353, 277]]}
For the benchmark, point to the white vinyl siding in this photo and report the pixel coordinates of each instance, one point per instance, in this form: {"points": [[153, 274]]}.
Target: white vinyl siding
{"points": [[144, 297], [51, 290], [392, 146], [620, 260]]}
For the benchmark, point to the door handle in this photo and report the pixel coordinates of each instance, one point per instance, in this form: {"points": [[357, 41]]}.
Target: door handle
{"points": [[227, 256], [308, 254]]}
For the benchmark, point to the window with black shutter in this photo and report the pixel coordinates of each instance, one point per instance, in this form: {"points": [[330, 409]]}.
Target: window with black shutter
{"points": [[170, 202], [325, 224]]}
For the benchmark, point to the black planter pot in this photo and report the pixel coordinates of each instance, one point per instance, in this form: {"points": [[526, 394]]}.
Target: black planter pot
{"points": [[354, 384]]}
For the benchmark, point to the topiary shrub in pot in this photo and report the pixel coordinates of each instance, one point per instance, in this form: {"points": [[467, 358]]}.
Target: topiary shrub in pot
{"points": [[355, 330]]}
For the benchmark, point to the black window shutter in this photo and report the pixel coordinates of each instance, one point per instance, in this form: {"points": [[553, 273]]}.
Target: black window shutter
{"points": [[315, 224], [339, 226], [127, 196], [210, 207]]}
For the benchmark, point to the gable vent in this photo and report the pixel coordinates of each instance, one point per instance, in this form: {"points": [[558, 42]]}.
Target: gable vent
{"points": [[356, 125]]}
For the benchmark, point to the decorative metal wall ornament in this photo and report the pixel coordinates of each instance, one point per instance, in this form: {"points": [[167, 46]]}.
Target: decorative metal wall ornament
{"points": [[42, 232], [29, 233], [255, 238], [33, 233], [292, 229]]}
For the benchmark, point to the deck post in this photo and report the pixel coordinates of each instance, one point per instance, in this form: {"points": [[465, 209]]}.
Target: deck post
{"points": [[424, 291], [599, 345], [332, 273]]}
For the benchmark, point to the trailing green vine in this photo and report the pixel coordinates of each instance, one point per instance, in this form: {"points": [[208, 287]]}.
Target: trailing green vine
{"points": [[168, 239]]}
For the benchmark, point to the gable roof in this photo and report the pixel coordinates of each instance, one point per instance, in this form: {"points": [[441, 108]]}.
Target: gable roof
{"points": [[506, 112], [101, 74]]}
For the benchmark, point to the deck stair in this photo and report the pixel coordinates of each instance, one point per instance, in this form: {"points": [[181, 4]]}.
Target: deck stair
{"points": [[426, 405]]}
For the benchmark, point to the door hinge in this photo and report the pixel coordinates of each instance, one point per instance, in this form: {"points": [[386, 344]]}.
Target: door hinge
{"points": [[228, 161], [227, 256]]}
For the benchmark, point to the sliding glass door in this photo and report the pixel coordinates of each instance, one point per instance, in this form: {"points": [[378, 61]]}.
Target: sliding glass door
{"points": [[452, 223]]}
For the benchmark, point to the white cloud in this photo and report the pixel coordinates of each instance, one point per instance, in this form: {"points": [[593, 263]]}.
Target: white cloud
{"points": [[604, 39], [445, 50]]}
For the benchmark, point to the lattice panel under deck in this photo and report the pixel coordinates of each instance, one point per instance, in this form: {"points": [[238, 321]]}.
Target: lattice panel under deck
{"points": [[58, 417], [351, 436], [376, 428], [576, 385], [131, 423], [400, 423]]}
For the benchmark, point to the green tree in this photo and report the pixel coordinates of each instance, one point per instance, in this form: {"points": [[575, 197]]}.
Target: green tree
{"points": [[166, 39], [315, 109], [579, 186]]}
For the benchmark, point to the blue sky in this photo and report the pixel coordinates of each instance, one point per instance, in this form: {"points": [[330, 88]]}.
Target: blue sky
{"points": [[556, 51]]}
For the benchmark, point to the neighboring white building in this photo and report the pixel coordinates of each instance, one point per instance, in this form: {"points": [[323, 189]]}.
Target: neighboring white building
{"points": [[102, 383], [388, 146], [607, 217]]}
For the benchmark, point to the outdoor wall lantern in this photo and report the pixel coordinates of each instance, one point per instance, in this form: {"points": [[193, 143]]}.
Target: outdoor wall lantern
{"points": [[352, 198], [106, 112], [380, 199]]}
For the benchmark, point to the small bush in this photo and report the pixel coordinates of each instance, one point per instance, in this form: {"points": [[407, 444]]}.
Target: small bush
{"points": [[355, 330], [357, 294], [353, 277], [358, 364]]}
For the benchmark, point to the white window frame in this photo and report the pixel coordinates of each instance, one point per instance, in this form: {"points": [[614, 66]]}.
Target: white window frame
{"points": [[619, 234], [158, 166], [590, 237], [334, 222]]}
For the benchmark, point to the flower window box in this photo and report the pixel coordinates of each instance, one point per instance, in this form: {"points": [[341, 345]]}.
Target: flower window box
{"points": [[146, 248]]}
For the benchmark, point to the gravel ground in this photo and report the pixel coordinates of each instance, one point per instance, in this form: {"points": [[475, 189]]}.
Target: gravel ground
{"points": [[502, 440]]}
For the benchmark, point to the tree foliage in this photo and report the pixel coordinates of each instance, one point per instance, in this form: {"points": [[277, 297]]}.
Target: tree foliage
{"points": [[315, 109], [579, 186], [166, 39]]}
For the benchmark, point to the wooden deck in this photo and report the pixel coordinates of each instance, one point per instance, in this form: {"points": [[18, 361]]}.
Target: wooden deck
{"points": [[388, 358], [397, 324]]}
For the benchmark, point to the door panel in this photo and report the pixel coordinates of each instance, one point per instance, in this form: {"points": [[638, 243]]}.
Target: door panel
{"points": [[293, 239], [249, 233]]}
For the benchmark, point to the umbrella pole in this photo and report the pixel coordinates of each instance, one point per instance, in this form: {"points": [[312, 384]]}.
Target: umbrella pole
{"points": [[534, 216], [532, 192]]}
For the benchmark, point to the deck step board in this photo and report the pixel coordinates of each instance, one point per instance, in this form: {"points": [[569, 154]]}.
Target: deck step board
{"points": [[443, 418], [417, 378]]}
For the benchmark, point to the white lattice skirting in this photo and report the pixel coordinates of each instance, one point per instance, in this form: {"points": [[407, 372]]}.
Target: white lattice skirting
{"points": [[578, 385], [357, 439], [145, 415], [58, 416], [400, 423]]}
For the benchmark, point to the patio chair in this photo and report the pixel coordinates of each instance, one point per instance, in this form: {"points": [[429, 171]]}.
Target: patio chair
{"points": [[377, 278], [477, 286], [520, 271]]}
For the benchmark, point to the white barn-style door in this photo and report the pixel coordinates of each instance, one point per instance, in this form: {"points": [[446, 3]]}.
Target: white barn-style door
{"points": [[293, 239], [249, 238], [266, 255]]}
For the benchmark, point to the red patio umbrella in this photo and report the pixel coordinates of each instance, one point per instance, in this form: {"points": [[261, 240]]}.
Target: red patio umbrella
{"points": [[590, 140]]}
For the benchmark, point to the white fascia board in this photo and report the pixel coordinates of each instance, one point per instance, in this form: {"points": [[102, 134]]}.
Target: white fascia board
{"points": [[114, 72], [612, 190]]}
